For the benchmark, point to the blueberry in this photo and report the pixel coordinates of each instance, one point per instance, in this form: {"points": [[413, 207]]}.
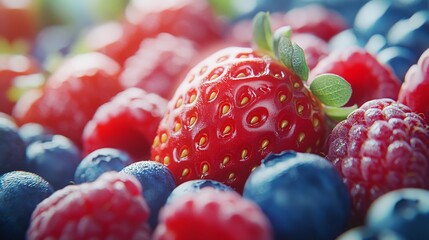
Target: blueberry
{"points": [[377, 16], [302, 194], [55, 159], [404, 211], [399, 59], [20, 193], [411, 33], [31, 132], [157, 183], [12, 147], [345, 39], [363, 233], [100, 161], [193, 186]]}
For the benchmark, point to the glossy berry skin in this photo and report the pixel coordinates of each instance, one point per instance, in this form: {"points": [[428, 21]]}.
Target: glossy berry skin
{"points": [[369, 78], [12, 147], [159, 65], [231, 110], [210, 214], [72, 94], [31, 132], [128, 121], [109, 208], [413, 92], [20, 193], [194, 186], [302, 194], [55, 159], [100, 161], [157, 183], [380, 147], [364, 233], [404, 211]]}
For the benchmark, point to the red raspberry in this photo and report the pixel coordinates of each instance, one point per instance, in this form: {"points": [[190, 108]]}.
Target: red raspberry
{"points": [[112, 207], [128, 122], [381, 146], [369, 78], [211, 214]]}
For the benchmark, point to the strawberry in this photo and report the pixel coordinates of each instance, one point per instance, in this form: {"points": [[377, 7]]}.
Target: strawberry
{"points": [[236, 107], [369, 78], [380, 147], [414, 90], [71, 95]]}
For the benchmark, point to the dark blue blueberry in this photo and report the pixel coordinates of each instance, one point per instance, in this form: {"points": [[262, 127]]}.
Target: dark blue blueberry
{"points": [[411, 33], [377, 16], [193, 186], [363, 233], [157, 183], [12, 147], [55, 159], [399, 59], [376, 44], [302, 194], [20, 192], [404, 211], [100, 161], [31, 132]]}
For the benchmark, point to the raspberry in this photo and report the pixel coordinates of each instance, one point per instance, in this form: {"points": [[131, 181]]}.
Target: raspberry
{"points": [[211, 214], [112, 207], [128, 122], [380, 147], [369, 78]]}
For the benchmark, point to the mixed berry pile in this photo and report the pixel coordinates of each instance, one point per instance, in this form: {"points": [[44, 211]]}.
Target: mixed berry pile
{"points": [[206, 119]]}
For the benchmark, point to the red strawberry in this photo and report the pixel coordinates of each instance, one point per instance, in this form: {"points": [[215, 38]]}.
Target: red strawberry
{"points": [[369, 78], [210, 214], [159, 64], [231, 111], [128, 122], [112, 207], [380, 147], [72, 94], [414, 90], [17, 72]]}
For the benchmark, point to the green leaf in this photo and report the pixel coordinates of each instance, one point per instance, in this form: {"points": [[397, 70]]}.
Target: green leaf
{"points": [[299, 64], [262, 32], [283, 32], [339, 113], [291, 55], [331, 89]]}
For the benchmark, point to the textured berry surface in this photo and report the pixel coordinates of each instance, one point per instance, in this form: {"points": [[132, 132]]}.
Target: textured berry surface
{"points": [[302, 195], [159, 65], [12, 147], [128, 122], [230, 111], [210, 214], [100, 161], [110, 208], [72, 94], [414, 90], [381, 146], [20, 193], [54, 158], [368, 77], [157, 182]]}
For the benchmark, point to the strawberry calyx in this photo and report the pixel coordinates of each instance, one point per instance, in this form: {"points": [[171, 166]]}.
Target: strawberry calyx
{"points": [[332, 90]]}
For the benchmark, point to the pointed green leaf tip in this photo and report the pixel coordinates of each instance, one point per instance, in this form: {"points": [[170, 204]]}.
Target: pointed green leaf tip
{"points": [[262, 33], [331, 89]]}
